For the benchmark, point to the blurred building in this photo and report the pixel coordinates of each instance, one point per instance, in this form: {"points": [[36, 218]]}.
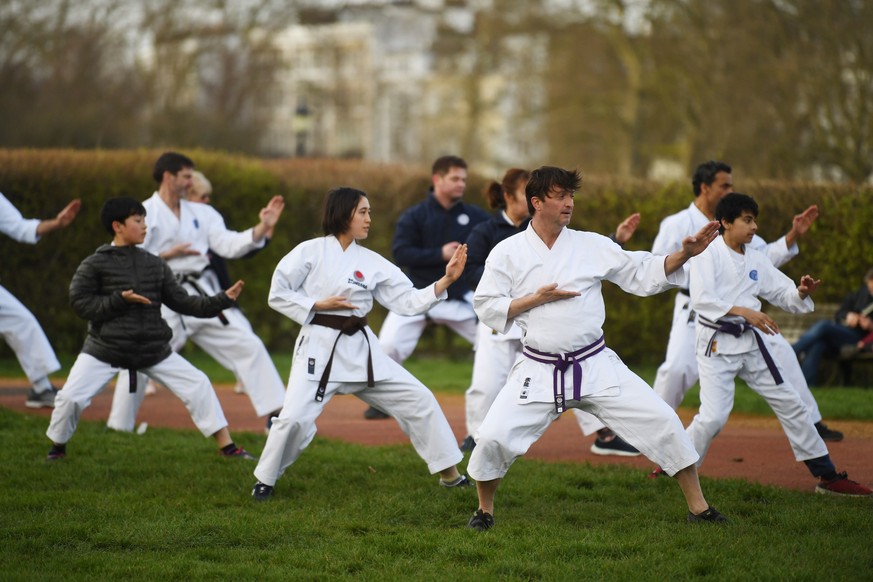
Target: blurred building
{"points": [[406, 82]]}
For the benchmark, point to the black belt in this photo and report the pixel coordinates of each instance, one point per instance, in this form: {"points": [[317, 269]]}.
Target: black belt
{"points": [[736, 330], [191, 279], [348, 325], [685, 292]]}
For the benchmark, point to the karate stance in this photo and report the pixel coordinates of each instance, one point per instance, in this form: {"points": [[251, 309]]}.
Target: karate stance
{"points": [[678, 373], [120, 290], [547, 280], [726, 281], [328, 285], [18, 327], [181, 233]]}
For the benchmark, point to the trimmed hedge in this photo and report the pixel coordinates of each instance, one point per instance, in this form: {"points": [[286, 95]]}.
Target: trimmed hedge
{"points": [[41, 182]]}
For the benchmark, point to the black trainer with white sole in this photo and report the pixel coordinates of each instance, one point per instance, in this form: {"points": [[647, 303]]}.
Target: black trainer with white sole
{"points": [[710, 515], [481, 521], [262, 491]]}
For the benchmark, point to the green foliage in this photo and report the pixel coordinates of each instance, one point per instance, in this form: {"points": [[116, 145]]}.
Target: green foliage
{"points": [[40, 182], [166, 506]]}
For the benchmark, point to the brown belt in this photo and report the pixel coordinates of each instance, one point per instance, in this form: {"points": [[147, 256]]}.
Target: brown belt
{"points": [[348, 325]]}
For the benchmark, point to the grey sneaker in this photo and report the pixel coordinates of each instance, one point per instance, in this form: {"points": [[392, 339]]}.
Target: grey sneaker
{"points": [[460, 482], [614, 446], [41, 399]]}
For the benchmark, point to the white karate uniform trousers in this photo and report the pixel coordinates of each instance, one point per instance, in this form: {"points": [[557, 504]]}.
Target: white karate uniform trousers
{"points": [[400, 333], [717, 373], [679, 371], [403, 397], [235, 346], [495, 355], [89, 376], [20, 329], [632, 409]]}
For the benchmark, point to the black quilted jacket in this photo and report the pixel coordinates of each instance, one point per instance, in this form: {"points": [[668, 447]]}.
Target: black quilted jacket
{"points": [[132, 335]]}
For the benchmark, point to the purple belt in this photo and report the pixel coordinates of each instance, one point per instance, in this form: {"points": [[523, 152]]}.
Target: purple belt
{"points": [[563, 361], [736, 330]]}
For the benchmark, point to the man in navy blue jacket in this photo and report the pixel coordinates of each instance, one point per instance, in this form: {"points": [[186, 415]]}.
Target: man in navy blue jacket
{"points": [[425, 238]]}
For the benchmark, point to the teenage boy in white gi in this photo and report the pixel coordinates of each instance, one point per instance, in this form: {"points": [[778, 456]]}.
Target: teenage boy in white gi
{"points": [[726, 281], [18, 326], [678, 373], [181, 233], [121, 290], [328, 285], [547, 280]]}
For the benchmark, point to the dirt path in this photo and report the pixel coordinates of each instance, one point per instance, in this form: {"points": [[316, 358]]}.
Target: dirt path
{"points": [[751, 448]]}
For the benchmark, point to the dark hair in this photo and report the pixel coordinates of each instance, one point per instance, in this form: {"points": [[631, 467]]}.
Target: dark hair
{"points": [[118, 210], [339, 206], [443, 165], [542, 180], [705, 174], [511, 179], [170, 162], [732, 206]]}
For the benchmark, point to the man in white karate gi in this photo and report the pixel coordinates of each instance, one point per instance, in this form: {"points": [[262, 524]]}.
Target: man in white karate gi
{"points": [[18, 327], [547, 280]]}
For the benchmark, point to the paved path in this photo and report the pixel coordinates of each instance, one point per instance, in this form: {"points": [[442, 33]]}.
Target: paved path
{"points": [[751, 448]]}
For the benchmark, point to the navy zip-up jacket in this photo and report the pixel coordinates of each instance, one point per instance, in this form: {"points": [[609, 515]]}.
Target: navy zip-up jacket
{"points": [[421, 232], [485, 237]]}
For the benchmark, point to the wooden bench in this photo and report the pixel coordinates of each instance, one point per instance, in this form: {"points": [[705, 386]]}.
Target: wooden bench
{"points": [[847, 369]]}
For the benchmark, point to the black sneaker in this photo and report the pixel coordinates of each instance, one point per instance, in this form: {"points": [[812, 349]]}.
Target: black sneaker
{"points": [[375, 414], [710, 515], [481, 521], [57, 452], [827, 434], [614, 446], [41, 399], [460, 482], [262, 492], [468, 445]]}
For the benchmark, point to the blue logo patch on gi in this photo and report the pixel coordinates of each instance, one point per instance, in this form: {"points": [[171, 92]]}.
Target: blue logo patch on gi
{"points": [[753, 275], [311, 366], [196, 223]]}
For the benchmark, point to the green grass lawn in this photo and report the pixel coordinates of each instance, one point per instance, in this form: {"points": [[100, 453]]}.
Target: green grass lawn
{"points": [[166, 506]]}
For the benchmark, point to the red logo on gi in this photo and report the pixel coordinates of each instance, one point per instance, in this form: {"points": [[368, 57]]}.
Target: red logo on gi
{"points": [[359, 276]]}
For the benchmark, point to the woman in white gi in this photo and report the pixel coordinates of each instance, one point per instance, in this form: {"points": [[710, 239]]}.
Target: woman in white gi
{"points": [[327, 285], [726, 281], [547, 280]]}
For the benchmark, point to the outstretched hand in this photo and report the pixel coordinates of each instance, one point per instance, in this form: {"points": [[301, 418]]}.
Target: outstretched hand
{"points": [[68, 214], [455, 266], [234, 291], [269, 215], [550, 293], [696, 244], [132, 297], [803, 221], [627, 228], [808, 285]]}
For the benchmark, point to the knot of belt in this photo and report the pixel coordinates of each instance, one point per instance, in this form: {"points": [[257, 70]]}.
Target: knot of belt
{"points": [[736, 330], [191, 279], [347, 325], [562, 362]]}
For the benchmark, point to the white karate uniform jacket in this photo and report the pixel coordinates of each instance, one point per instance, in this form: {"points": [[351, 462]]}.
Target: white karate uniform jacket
{"points": [[319, 268], [719, 282], [578, 261]]}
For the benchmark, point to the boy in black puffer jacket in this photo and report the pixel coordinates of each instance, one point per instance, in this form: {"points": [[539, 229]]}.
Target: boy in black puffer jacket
{"points": [[119, 290]]}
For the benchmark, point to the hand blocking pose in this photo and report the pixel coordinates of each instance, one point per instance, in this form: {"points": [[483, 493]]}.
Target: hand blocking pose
{"points": [[726, 281], [328, 285]]}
